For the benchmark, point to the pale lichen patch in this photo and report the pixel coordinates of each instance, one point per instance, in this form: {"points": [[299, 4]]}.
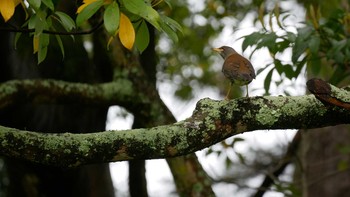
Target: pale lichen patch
{"points": [[341, 94], [267, 117]]}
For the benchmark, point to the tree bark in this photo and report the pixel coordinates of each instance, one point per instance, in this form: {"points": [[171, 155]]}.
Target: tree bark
{"points": [[211, 122], [325, 161]]}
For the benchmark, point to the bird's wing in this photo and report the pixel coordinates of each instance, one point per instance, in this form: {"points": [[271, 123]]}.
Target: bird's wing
{"points": [[238, 67]]}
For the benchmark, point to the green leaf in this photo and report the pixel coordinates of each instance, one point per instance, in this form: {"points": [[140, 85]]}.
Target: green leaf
{"points": [[42, 54], [152, 17], [269, 41], [338, 75], [111, 18], [291, 36], [300, 65], [17, 36], [278, 66], [169, 31], [171, 23], [235, 140], [35, 4], [218, 153], [38, 22], [49, 4], [299, 48], [266, 67], [88, 12], [142, 36], [288, 71], [65, 20], [44, 40], [32, 21], [240, 157], [48, 22], [277, 15], [228, 162], [184, 92], [170, 26], [314, 63], [283, 45], [251, 40], [139, 7], [39, 26], [330, 32], [260, 70], [314, 44], [261, 14], [337, 46], [209, 151], [305, 32], [60, 44], [267, 81]]}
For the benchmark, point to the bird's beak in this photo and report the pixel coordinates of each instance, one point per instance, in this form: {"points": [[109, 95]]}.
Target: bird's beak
{"points": [[218, 50]]}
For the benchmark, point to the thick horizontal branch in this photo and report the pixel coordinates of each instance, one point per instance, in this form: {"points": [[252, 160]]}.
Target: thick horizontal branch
{"points": [[61, 92], [211, 122]]}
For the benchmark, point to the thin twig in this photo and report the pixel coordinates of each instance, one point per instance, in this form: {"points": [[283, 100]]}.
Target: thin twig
{"points": [[53, 32]]}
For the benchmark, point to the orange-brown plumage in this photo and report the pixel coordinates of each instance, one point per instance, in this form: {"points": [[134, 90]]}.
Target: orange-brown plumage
{"points": [[236, 68]]}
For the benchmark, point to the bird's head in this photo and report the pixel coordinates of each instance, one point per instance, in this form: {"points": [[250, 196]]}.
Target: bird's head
{"points": [[225, 51]]}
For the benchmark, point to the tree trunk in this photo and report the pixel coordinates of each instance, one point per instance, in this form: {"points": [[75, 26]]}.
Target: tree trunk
{"points": [[325, 161]]}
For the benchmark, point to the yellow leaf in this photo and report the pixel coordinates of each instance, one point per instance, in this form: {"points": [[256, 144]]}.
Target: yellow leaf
{"points": [[35, 44], [88, 2], [126, 32], [7, 8], [85, 3]]}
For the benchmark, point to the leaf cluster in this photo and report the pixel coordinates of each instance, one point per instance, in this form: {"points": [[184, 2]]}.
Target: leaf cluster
{"points": [[317, 43], [124, 18], [42, 17]]}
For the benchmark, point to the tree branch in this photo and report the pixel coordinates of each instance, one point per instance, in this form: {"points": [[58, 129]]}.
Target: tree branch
{"points": [[119, 91], [211, 122], [24, 30]]}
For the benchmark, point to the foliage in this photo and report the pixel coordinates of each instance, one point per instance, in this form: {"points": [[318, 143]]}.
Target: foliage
{"points": [[320, 44], [202, 22], [124, 18]]}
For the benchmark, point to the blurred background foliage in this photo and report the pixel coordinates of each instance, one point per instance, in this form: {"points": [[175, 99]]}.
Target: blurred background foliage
{"points": [[316, 46], [189, 64]]}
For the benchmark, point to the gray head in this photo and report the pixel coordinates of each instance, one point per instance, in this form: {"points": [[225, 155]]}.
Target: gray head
{"points": [[225, 51]]}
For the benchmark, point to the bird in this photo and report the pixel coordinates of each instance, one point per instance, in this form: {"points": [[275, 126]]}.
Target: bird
{"points": [[236, 68]]}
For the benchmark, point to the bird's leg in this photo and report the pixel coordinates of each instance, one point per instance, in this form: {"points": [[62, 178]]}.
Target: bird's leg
{"points": [[247, 95], [228, 92]]}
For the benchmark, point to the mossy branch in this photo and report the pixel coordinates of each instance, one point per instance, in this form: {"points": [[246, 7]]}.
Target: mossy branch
{"points": [[61, 92], [211, 122]]}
